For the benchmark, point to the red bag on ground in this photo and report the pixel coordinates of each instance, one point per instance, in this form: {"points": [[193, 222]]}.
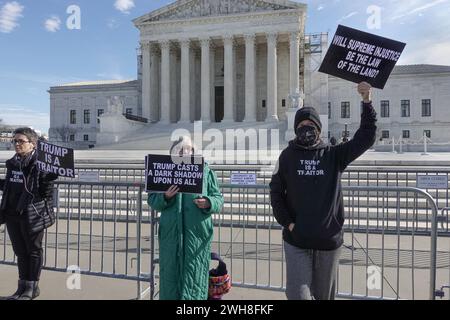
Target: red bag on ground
{"points": [[219, 279]]}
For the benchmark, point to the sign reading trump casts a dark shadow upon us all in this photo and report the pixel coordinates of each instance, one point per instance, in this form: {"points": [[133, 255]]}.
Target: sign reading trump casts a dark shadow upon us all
{"points": [[163, 171], [55, 159], [359, 56]]}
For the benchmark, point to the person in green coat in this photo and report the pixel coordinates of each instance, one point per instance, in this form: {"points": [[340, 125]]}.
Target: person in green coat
{"points": [[185, 234]]}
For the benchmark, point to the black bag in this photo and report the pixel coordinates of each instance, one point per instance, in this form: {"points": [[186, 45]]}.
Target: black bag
{"points": [[40, 216]]}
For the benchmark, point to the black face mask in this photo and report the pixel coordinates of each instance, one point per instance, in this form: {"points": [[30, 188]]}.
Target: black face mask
{"points": [[307, 135]]}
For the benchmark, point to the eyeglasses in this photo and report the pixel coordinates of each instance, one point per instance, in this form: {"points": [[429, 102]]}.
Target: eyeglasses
{"points": [[19, 141]]}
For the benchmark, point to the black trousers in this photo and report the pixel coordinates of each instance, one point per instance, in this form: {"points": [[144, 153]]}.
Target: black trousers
{"points": [[28, 248]]}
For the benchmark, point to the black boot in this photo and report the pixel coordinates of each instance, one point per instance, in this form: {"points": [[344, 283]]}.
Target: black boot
{"points": [[20, 290], [31, 291]]}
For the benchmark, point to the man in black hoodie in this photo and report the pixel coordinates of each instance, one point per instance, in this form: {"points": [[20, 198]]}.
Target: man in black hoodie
{"points": [[307, 200]]}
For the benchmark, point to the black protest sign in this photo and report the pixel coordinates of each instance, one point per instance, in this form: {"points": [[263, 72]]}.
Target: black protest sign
{"points": [[359, 56], [164, 171], [56, 159]]}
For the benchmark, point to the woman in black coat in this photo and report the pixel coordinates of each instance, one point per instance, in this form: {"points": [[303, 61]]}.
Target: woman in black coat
{"points": [[26, 192]]}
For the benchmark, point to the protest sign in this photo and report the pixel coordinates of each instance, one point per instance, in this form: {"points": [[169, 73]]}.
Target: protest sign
{"points": [[164, 171], [359, 56], [55, 159]]}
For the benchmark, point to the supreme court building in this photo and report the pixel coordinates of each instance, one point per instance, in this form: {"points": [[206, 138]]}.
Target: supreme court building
{"points": [[220, 60], [238, 62]]}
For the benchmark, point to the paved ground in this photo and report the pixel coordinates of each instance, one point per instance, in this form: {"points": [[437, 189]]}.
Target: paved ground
{"points": [[256, 256], [53, 287]]}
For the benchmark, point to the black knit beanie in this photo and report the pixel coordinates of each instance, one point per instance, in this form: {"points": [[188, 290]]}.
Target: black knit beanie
{"points": [[307, 113]]}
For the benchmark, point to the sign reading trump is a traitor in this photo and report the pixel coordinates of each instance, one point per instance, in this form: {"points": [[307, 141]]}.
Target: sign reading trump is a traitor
{"points": [[163, 171], [55, 159], [359, 56]]}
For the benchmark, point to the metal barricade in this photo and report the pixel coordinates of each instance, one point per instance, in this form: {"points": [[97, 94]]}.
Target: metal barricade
{"points": [[100, 230], [389, 232], [390, 250], [443, 277]]}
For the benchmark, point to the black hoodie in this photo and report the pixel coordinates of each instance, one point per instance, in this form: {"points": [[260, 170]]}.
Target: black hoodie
{"points": [[306, 187]]}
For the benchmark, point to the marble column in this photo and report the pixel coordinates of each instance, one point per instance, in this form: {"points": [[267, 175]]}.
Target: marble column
{"points": [[250, 78], [146, 81], [229, 79], [175, 83], [205, 81], [294, 80], [165, 81], [154, 84], [272, 83], [212, 70], [185, 81]]}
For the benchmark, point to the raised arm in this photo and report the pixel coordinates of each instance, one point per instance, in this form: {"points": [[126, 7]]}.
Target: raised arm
{"points": [[365, 136]]}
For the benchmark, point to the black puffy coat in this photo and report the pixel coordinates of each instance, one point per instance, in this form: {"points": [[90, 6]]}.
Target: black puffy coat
{"points": [[39, 184]]}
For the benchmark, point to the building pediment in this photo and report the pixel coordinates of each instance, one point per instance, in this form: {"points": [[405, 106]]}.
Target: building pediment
{"points": [[189, 9]]}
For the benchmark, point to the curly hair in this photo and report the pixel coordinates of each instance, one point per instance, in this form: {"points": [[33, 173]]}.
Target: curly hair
{"points": [[29, 133]]}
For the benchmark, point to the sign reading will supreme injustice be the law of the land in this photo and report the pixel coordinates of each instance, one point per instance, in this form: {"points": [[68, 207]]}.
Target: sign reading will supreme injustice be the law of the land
{"points": [[359, 56], [56, 159], [165, 171]]}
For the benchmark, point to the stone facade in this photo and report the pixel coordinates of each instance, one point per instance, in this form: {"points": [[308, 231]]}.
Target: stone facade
{"points": [[74, 109], [244, 56], [410, 88], [239, 61]]}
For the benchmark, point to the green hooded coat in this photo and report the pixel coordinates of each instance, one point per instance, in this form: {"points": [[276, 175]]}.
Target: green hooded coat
{"points": [[185, 235]]}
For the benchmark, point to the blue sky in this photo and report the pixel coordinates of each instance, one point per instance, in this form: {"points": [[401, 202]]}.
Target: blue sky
{"points": [[37, 50]]}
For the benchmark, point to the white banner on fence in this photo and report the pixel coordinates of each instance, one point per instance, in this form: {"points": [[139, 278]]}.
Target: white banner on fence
{"points": [[244, 179], [432, 182], [89, 176]]}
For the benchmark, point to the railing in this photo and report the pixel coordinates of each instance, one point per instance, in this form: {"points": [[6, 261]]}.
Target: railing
{"points": [[390, 232], [249, 239], [101, 229]]}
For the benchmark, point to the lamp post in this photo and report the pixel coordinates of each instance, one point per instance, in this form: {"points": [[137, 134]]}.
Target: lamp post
{"points": [[345, 134]]}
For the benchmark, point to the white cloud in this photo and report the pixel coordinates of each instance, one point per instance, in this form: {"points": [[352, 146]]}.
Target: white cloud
{"points": [[53, 24], [24, 116], [414, 7], [9, 15], [112, 24], [124, 6], [351, 14], [111, 76], [43, 79], [320, 8], [427, 53]]}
